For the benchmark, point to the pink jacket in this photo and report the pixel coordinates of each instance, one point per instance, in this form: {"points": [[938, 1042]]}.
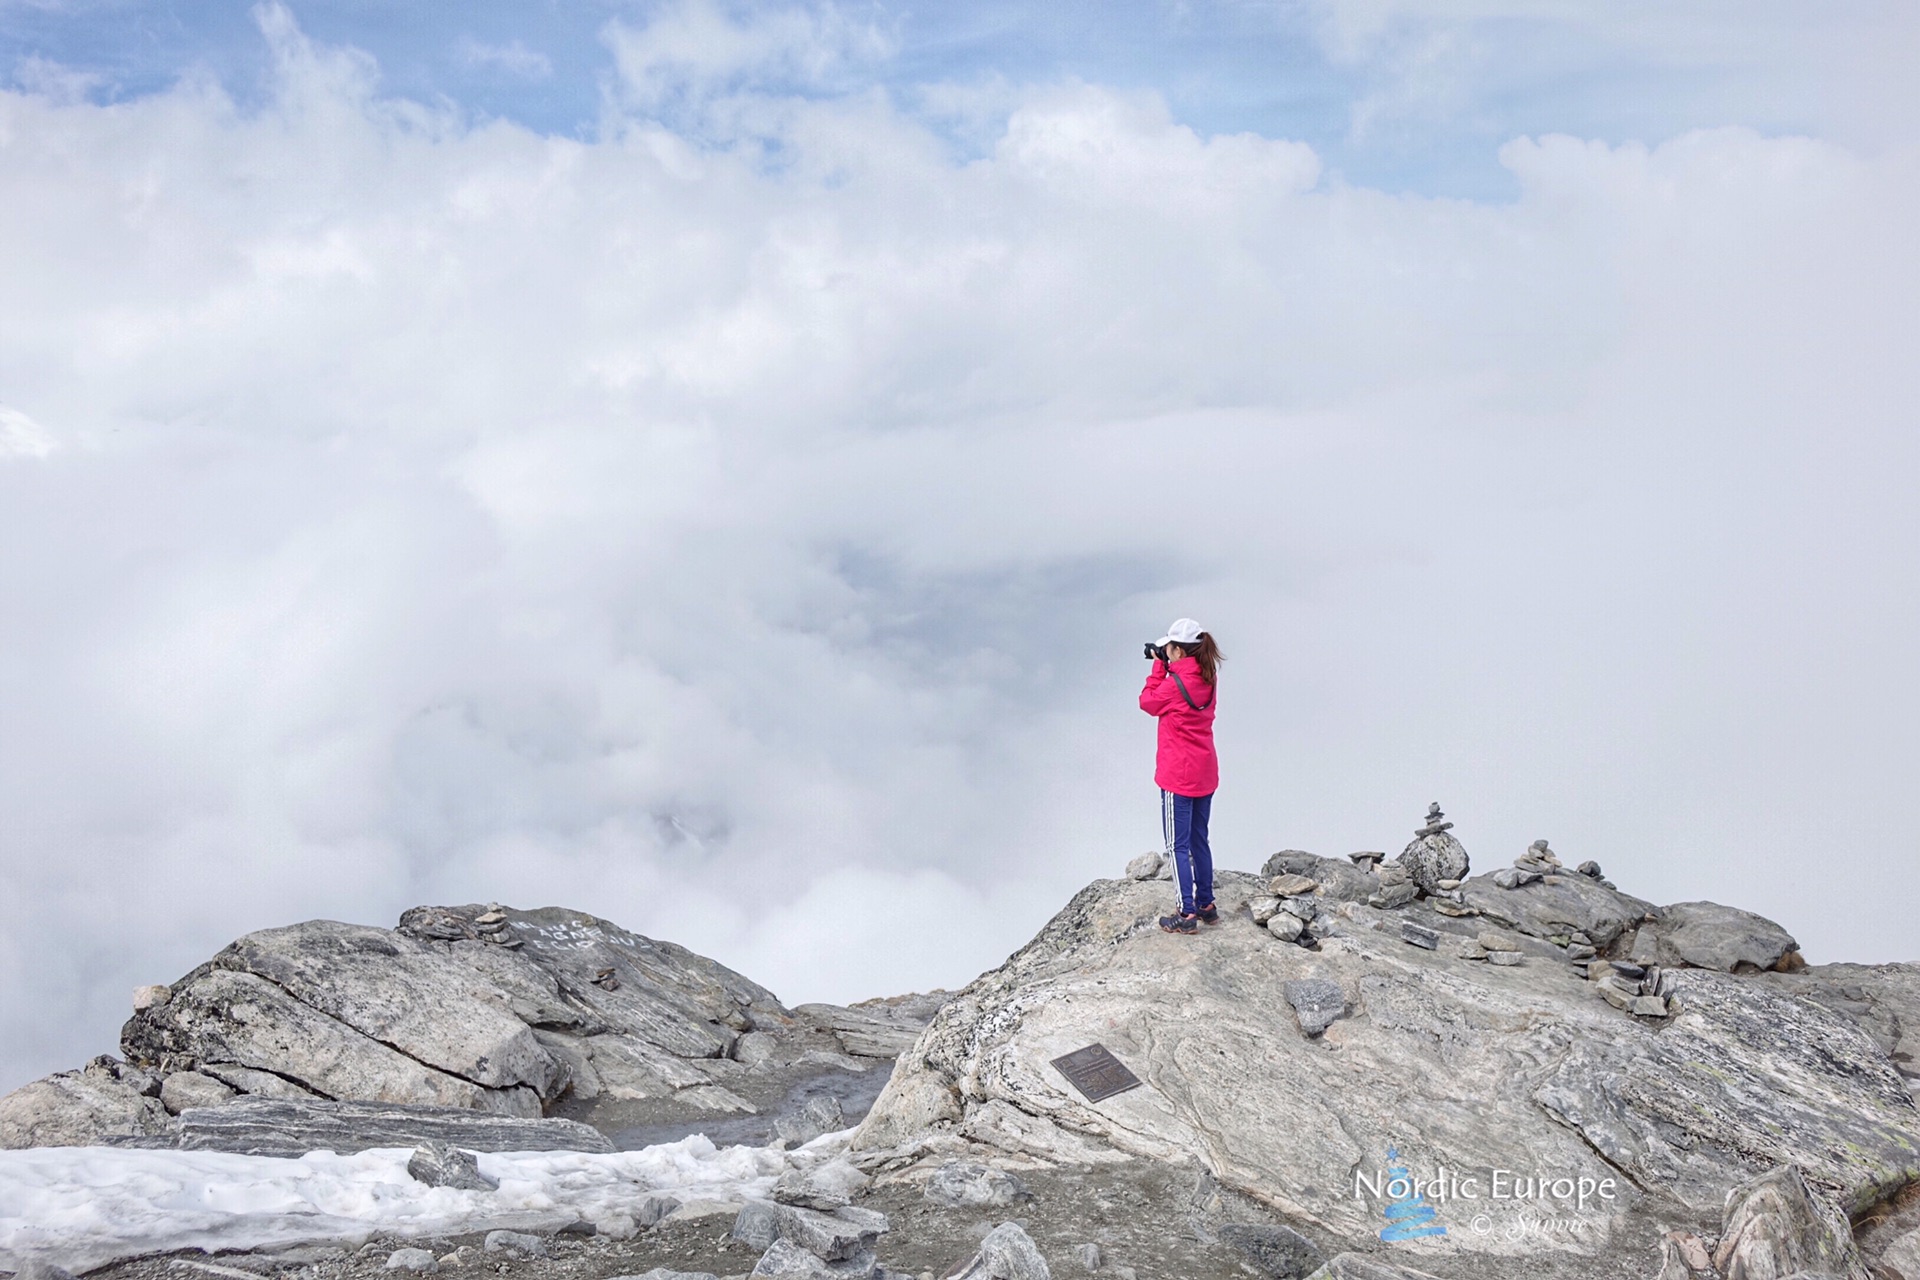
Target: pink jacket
{"points": [[1185, 764]]}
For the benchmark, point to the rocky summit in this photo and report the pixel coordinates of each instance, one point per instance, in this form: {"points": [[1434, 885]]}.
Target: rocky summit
{"points": [[442, 1028], [1622, 1083], [1371, 1068]]}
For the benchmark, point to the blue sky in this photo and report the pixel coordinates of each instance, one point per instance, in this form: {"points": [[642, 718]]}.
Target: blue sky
{"points": [[1403, 96]]}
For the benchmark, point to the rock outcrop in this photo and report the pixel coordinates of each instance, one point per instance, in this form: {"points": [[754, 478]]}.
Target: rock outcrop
{"points": [[475, 1008], [1291, 1075]]}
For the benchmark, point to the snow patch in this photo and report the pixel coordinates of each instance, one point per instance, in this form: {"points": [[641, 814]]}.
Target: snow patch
{"points": [[84, 1207]]}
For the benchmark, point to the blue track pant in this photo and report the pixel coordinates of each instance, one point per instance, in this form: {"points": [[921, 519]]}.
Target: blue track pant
{"points": [[1184, 820]]}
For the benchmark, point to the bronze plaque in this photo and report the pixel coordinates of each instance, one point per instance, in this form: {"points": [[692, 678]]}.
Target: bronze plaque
{"points": [[1096, 1073]]}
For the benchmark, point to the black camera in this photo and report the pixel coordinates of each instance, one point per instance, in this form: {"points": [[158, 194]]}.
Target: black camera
{"points": [[1156, 651]]}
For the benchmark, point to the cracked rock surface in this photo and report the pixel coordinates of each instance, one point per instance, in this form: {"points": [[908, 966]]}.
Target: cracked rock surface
{"points": [[1456, 1064]]}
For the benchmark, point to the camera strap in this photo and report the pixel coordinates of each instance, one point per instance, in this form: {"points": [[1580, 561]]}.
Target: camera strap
{"points": [[1189, 697]]}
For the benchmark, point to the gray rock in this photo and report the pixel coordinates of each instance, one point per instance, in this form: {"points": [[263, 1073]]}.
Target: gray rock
{"points": [[1560, 906], [757, 1226], [1902, 1255], [1419, 935], [662, 1273], [1275, 1252], [1302, 907], [268, 1127], [185, 1089], [653, 1207], [1514, 877], [77, 1109], [819, 1114], [441, 1164], [1317, 1003], [412, 1260], [151, 996], [515, 1244], [1090, 1256], [875, 1028], [1394, 895], [784, 1258], [1434, 856], [1145, 867], [840, 1236], [826, 1187], [963, 1184], [1581, 951], [1506, 958], [481, 1008], [1647, 1007], [1263, 908], [1776, 1226], [1007, 1253], [1485, 1072], [1627, 969], [1289, 883], [1340, 879], [1286, 926], [1707, 935]]}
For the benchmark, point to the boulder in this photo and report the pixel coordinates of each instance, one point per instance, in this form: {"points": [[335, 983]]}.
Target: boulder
{"points": [[963, 1184], [1316, 1002], [1431, 859], [1272, 1252], [817, 1115], [516, 1244], [1463, 1066], [412, 1260], [441, 1164], [786, 1259], [1145, 867], [1707, 935], [1007, 1253], [77, 1109], [1775, 1227], [1557, 907], [826, 1186], [482, 1008], [1337, 878]]}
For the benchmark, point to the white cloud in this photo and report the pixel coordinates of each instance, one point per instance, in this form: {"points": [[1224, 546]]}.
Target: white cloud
{"points": [[694, 48], [512, 58], [22, 437], [758, 555]]}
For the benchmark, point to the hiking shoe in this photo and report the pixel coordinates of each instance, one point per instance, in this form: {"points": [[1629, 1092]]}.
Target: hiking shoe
{"points": [[1180, 924], [1209, 914]]}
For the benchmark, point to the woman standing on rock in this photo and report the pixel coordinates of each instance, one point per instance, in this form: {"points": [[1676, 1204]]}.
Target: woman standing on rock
{"points": [[1180, 692]]}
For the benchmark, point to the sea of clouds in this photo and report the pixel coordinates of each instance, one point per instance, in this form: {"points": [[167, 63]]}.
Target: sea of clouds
{"points": [[745, 528]]}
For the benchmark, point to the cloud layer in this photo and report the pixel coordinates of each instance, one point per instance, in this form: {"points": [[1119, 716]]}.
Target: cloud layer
{"points": [[746, 529]]}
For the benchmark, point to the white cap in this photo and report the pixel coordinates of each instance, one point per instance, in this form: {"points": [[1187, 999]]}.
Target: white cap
{"points": [[1183, 632]]}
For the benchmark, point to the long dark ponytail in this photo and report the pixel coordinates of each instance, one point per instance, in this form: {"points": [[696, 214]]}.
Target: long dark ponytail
{"points": [[1208, 654]]}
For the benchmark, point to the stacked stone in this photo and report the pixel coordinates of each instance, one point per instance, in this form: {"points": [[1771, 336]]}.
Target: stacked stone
{"points": [[441, 924], [1646, 991], [1494, 948], [1287, 908], [1537, 863], [1432, 866]]}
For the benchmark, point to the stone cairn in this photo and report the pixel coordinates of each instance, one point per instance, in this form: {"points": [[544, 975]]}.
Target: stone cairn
{"points": [[1431, 867], [1643, 990], [1287, 909]]}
